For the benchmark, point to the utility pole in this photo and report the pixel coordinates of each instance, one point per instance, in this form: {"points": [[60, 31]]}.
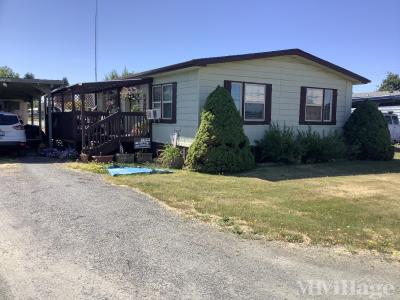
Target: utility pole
{"points": [[95, 43]]}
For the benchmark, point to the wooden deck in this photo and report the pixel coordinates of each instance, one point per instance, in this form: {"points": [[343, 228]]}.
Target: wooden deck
{"points": [[101, 132]]}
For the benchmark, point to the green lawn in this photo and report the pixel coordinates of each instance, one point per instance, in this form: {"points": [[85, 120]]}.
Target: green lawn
{"points": [[355, 204]]}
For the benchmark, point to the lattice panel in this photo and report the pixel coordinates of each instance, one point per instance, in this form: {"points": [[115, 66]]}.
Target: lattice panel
{"points": [[57, 100], [68, 102], [89, 100]]}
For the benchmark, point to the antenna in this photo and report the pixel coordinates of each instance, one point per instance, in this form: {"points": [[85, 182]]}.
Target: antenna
{"points": [[95, 43]]}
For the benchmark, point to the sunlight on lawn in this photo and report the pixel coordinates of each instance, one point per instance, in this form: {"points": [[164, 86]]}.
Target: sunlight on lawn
{"points": [[354, 204]]}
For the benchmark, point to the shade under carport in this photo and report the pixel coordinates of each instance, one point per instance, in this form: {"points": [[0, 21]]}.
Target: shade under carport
{"points": [[26, 89]]}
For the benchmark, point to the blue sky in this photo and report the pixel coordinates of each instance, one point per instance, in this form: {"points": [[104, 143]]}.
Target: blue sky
{"points": [[54, 38]]}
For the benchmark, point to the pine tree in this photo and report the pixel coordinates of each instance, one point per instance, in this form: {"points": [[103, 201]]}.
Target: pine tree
{"points": [[367, 134], [220, 144]]}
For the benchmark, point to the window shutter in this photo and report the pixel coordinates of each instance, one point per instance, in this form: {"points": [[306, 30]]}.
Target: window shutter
{"points": [[174, 93], [268, 103], [150, 100], [334, 105], [227, 85], [302, 116]]}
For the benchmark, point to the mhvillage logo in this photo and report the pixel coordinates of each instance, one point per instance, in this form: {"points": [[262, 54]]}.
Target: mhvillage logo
{"points": [[351, 288]]}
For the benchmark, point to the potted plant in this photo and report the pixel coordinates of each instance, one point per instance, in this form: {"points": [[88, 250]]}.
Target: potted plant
{"points": [[171, 157]]}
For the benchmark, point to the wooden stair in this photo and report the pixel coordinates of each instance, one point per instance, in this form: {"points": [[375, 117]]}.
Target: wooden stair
{"points": [[106, 135]]}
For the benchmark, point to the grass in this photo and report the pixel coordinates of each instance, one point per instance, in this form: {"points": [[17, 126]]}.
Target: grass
{"points": [[354, 204], [7, 163]]}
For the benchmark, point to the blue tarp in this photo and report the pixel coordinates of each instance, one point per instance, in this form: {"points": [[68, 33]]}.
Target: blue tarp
{"points": [[115, 171]]}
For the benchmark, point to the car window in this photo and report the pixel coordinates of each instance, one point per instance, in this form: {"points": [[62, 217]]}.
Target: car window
{"points": [[395, 120], [388, 119], [8, 120]]}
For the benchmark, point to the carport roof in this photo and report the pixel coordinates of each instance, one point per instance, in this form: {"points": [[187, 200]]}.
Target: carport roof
{"points": [[99, 86], [26, 89], [381, 98]]}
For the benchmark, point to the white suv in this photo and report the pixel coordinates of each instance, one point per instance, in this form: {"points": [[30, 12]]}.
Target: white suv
{"points": [[12, 132], [394, 126]]}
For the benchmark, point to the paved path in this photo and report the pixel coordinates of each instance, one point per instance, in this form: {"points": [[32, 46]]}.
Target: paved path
{"points": [[70, 235]]}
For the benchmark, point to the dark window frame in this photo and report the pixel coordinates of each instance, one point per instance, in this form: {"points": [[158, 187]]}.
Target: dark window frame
{"points": [[267, 101], [171, 120], [303, 102]]}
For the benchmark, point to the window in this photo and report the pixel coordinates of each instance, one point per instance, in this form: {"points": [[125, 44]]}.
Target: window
{"points": [[8, 120], [252, 100], [318, 106], [327, 111], [167, 101], [236, 93], [314, 100], [395, 120], [164, 99]]}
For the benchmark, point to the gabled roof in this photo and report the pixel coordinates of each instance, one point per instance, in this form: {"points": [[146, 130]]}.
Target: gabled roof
{"points": [[201, 62]]}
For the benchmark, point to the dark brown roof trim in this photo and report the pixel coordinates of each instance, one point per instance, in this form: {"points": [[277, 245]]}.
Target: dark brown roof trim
{"points": [[93, 87], [201, 62]]}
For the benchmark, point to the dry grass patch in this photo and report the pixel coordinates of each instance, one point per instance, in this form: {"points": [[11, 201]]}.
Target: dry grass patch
{"points": [[8, 165], [354, 204]]}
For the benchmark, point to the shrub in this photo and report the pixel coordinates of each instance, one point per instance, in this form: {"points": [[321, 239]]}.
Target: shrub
{"points": [[220, 144], [367, 135], [333, 147], [279, 145], [315, 148], [310, 145], [171, 157]]}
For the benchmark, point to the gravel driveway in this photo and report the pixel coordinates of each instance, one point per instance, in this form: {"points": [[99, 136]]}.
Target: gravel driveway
{"points": [[69, 235]]}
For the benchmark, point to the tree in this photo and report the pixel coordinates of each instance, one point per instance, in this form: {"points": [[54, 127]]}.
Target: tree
{"points": [[8, 72], [113, 75], [367, 134], [29, 75], [125, 73], [390, 83], [65, 80], [220, 144]]}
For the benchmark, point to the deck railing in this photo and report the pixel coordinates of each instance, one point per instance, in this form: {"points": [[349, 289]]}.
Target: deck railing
{"points": [[109, 132], [67, 125]]}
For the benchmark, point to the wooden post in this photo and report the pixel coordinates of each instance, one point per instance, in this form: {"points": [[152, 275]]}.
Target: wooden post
{"points": [[32, 112], [119, 99], [40, 113], [83, 121], [46, 113], [40, 117], [50, 119]]}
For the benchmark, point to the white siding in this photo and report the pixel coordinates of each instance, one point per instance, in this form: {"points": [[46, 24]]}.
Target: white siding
{"points": [[287, 75], [187, 108]]}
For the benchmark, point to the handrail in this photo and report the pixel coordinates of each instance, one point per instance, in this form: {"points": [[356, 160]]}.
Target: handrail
{"points": [[113, 129]]}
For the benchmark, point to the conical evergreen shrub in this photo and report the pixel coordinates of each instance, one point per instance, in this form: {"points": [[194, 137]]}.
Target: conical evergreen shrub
{"points": [[220, 144], [367, 134]]}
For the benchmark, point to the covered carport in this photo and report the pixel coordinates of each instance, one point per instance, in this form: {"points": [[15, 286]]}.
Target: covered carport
{"points": [[15, 93], [381, 98]]}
